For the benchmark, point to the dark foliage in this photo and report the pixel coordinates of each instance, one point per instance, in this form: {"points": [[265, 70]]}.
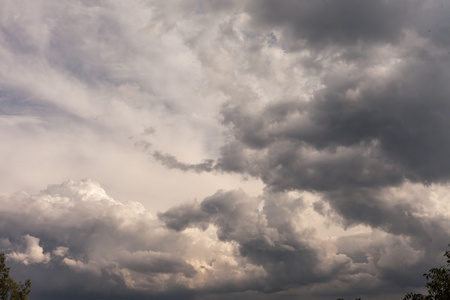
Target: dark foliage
{"points": [[438, 283], [9, 289]]}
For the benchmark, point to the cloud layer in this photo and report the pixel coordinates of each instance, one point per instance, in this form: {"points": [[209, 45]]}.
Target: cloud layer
{"points": [[76, 235], [245, 149]]}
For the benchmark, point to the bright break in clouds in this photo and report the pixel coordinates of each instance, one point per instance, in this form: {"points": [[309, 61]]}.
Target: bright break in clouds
{"points": [[224, 149]]}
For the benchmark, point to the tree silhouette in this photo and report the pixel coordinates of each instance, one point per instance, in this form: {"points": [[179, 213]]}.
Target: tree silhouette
{"points": [[9, 289], [438, 283]]}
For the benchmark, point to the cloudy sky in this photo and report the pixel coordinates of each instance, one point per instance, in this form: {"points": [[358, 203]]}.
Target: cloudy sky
{"points": [[206, 150]]}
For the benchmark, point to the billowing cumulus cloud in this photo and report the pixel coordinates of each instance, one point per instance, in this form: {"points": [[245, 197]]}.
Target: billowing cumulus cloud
{"points": [[230, 242], [245, 149], [33, 253], [76, 229], [265, 237], [75, 234]]}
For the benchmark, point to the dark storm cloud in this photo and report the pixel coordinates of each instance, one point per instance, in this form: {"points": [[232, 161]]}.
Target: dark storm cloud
{"points": [[363, 128], [379, 121], [353, 148], [390, 213], [430, 21], [180, 217], [265, 231], [228, 210], [331, 22], [154, 262], [266, 237], [389, 254], [391, 132], [349, 148]]}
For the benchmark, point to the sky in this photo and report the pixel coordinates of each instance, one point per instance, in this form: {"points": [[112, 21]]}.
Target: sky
{"points": [[215, 150]]}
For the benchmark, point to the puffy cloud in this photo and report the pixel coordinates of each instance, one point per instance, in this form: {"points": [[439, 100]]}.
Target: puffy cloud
{"points": [[60, 251], [265, 234], [271, 232], [359, 141], [77, 235], [373, 126], [79, 266], [33, 253], [76, 229], [378, 139], [88, 231]]}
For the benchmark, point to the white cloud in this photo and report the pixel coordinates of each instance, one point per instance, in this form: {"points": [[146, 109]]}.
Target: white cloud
{"points": [[33, 254], [79, 266], [60, 251]]}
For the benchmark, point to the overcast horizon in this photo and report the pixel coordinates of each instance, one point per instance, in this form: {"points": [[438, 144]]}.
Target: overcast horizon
{"points": [[216, 150]]}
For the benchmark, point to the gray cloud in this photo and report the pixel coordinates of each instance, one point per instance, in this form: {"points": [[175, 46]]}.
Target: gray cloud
{"points": [[268, 234], [180, 217], [339, 108], [172, 162], [74, 235], [269, 238], [376, 123], [266, 238], [90, 234], [391, 132], [153, 262], [329, 22], [353, 149]]}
